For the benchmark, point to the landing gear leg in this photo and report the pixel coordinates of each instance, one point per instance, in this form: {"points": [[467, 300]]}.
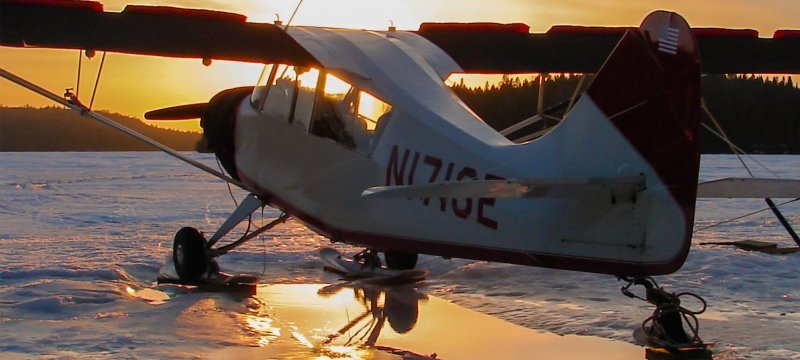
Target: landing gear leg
{"points": [[194, 257], [368, 259]]}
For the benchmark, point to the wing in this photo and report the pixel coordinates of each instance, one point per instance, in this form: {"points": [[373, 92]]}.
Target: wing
{"points": [[749, 188], [476, 47], [146, 30], [510, 48]]}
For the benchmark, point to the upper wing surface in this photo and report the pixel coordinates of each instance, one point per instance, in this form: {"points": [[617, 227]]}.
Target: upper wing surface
{"points": [[146, 30], [476, 47], [511, 48]]}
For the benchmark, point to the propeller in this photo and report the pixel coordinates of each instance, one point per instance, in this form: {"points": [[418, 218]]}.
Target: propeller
{"points": [[180, 112], [217, 118]]}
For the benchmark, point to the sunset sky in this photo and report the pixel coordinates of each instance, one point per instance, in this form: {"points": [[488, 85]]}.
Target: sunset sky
{"points": [[134, 84]]}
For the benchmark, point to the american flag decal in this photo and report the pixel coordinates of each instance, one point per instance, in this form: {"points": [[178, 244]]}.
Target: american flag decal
{"points": [[668, 40]]}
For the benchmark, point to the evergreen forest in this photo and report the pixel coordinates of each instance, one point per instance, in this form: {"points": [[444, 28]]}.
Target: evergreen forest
{"points": [[59, 129], [760, 114]]}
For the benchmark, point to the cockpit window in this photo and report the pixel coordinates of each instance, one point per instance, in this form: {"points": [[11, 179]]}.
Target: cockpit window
{"points": [[334, 111], [280, 92], [371, 109], [260, 91], [320, 103], [306, 91], [348, 115], [336, 89]]}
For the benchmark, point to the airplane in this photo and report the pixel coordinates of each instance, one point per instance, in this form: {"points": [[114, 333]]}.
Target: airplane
{"points": [[355, 133]]}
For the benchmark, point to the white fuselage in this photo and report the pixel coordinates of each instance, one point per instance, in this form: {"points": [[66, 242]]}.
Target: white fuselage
{"points": [[432, 137]]}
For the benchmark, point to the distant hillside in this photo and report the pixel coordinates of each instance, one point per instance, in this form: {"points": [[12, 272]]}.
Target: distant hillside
{"points": [[57, 129], [760, 114]]}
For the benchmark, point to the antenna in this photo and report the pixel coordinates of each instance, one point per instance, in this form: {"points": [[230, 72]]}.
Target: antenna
{"points": [[293, 14]]}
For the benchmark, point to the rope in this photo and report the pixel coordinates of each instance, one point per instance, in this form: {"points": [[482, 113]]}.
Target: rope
{"points": [[665, 326], [263, 246], [738, 151], [734, 148], [726, 138], [718, 135], [230, 190], [743, 216]]}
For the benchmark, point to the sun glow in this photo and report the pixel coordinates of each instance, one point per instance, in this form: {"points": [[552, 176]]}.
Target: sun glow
{"points": [[132, 85], [355, 14], [263, 327]]}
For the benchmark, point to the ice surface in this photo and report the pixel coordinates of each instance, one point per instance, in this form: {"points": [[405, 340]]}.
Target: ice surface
{"points": [[83, 233]]}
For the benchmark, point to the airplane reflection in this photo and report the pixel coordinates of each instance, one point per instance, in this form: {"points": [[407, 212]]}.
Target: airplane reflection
{"points": [[399, 305], [317, 320], [349, 321]]}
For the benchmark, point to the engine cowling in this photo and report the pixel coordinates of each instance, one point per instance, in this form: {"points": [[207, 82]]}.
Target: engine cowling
{"points": [[218, 122]]}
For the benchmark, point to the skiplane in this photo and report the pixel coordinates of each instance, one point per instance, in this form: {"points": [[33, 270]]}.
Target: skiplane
{"points": [[355, 133]]}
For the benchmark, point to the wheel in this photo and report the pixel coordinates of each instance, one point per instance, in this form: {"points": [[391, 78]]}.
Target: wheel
{"points": [[400, 260], [189, 254]]}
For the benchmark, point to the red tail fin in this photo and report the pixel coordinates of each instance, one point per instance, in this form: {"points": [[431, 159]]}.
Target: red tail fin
{"points": [[650, 89]]}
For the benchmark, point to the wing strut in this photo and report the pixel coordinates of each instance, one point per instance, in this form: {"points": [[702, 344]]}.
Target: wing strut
{"points": [[783, 220], [736, 150], [83, 110]]}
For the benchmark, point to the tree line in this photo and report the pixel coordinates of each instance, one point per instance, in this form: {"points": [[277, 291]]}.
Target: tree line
{"points": [[760, 114], [59, 129]]}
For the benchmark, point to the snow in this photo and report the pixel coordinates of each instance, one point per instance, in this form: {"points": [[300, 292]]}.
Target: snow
{"points": [[83, 236]]}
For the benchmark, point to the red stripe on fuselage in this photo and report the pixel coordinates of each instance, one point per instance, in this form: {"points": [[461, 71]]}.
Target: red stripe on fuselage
{"points": [[447, 250]]}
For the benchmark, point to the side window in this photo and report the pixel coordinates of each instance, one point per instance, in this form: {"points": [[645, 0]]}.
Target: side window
{"points": [[371, 109], [334, 110], [306, 88], [260, 91], [287, 93], [280, 94], [336, 89], [347, 115]]}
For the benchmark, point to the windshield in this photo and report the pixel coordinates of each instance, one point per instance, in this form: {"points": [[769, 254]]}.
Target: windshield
{"points": [[321, 104]]}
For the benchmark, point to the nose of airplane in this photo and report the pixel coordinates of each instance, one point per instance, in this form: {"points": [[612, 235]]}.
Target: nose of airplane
{"points": [[217, 118]]}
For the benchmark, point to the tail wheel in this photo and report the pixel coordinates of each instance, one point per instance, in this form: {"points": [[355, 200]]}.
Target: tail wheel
{"points": [[189, 254], [400, 260]]}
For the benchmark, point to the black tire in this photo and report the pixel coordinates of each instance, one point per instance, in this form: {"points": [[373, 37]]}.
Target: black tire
{"points": [[399, 260], [189, 254]]}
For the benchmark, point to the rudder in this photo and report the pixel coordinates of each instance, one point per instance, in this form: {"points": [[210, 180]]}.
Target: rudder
{"points": [[649, 88]]}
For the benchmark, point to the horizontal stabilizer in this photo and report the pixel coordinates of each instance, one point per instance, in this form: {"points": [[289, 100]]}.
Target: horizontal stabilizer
{"points": [[620, 187], [749, 188]]}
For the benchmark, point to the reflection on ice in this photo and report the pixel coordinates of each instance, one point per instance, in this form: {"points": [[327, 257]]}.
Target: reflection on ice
{"points": [[262, 327], [399, 305], [367, 321], [78, 228]]}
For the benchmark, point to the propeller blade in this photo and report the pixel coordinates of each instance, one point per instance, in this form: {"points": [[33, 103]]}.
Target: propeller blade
{"points": [[180, 112]]}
